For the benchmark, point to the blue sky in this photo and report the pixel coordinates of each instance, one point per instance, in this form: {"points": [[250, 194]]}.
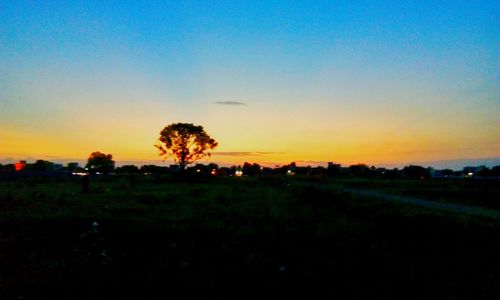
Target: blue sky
{"points": [[398, 75]]}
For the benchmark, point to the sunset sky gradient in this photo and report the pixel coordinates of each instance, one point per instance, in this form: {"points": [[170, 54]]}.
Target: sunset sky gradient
{"points": [[378, 82]]}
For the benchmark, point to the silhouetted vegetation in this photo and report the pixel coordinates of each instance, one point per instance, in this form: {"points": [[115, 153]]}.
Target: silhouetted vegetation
{"points": [[100, 163], [185, 143], [251, 169], [361, 170], [103, 164], [128, 169], [416, 172]]}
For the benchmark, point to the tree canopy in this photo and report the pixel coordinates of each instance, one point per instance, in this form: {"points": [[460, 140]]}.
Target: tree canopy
{"points": [[100, 163], [185, 143]]}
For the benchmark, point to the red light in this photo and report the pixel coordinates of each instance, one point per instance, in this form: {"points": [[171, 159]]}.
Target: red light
{"points": [[20, 166]]}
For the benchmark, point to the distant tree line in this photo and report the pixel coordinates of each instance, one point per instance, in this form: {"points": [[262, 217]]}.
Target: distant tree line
{"points": [[186, 143], [103, 164]]}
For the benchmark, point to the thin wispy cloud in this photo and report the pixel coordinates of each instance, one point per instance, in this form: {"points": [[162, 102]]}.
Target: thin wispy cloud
{"points": [[235, 153], [268, 153], [230, 103]]}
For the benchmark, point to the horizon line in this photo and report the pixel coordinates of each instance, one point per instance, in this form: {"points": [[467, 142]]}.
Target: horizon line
{"points": [[457, 163]]}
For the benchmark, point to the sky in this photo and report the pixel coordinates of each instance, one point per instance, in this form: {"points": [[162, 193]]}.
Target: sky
{"points": [[376, 82]]}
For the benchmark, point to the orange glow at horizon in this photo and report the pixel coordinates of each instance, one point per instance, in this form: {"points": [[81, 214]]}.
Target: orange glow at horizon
{"points": [[276, 144], [315, 130]]}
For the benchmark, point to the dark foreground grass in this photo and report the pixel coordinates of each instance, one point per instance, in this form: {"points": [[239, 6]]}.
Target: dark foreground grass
{"points": [[235, 238], [482, 192]]}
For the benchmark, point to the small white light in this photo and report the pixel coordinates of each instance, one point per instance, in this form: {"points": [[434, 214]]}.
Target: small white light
{"points": [[79, 173]]}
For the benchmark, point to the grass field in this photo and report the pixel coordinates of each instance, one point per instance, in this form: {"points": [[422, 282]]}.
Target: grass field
{"points": [[245, 238], [478, 192]]}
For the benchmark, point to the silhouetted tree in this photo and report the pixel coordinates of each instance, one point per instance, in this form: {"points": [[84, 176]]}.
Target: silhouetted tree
{"points": [[416, 172], [359, 170], [41, 166], [73, 166], [334, 169], [495, 171], [185, 143], [251, 169], [447, 172], [128, 169], [212, 166], [223, 171], [483, 172], [391, 173], [100, 162]]}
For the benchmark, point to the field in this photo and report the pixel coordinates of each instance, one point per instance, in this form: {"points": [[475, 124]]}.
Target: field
{"points": [[246, 238]]}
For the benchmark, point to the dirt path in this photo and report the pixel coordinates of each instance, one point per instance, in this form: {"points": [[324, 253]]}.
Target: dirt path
{"points": [[458, 208]]}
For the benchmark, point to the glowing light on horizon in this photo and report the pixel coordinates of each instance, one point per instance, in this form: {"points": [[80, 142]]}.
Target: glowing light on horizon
{"points": [[19, 166]]}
